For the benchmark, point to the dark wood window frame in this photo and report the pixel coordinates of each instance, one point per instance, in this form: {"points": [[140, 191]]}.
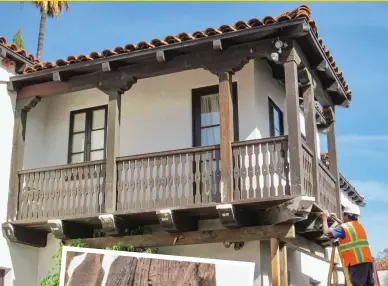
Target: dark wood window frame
{"points": [[271, 107], [88, 131], [196, 107]]}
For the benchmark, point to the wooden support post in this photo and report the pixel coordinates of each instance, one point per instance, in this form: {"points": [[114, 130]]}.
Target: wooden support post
{"points": [[333, 163], [275, 262], [226, 133], [112, 149], [311, 135], [19, 132], [283, 264], [294, 133]]}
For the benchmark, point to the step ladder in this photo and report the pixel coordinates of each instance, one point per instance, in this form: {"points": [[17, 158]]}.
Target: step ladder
{"points": [[331, 268]]}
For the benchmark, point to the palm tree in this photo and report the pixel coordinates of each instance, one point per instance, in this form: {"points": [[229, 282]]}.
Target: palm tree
{"points": [[51, 9]]}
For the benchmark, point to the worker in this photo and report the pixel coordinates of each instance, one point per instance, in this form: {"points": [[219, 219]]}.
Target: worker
{"points": [[353, 246]]}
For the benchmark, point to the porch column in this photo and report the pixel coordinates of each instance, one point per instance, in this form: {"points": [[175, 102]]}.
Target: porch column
{"points": [[19, 132], [311, 135], [112, 149], [294, 133], [226, 134], [333, 163]]}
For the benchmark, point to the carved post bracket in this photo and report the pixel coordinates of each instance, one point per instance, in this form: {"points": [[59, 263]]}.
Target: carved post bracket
{"points": [[119, 83], [112, 225], [173, 221], [69, 230], [231, 216], [23, 235]]}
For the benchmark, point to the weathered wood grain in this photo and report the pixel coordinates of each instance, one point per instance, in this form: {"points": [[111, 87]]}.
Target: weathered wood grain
{"points": [[168, 272], [89, 272], [122, 271]]}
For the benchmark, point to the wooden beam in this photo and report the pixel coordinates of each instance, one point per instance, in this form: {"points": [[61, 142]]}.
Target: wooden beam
{"points": [[283, 264], [175, 221], [311, 134], [69, 230], [294, 132], [106, 67], [57, 76], [275, 262], [26, 236], [160, 56], [217, 45], [320, 92], [322, 66], [234, 58], [3, 52], [232, 216], [226, 134], [198, 237], [112, 149], [112, 225], [291, 211]]}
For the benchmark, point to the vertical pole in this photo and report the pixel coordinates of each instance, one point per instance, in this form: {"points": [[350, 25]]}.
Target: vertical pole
{"points": [[226, 134], [333, 163], [311, 135], [112, 150], [19, 132], [294, 135], [283, 265], [275, 262]]}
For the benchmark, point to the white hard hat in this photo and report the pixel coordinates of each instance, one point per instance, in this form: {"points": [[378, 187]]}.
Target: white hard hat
{"points": [[352, 209]]}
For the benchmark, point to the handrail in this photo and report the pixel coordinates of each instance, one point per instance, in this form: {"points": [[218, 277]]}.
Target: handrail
{"points": [[326, 170], [261, 140], [169, 153], [61, 167], [308, 150]]}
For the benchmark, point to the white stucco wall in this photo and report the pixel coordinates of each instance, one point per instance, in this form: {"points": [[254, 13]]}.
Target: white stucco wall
{"points": [[383, 277], [19, 261]]}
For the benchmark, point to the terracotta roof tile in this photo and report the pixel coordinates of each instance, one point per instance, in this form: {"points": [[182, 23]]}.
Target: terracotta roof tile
{"points": [[21, 52], [302, 11], [381, 264]]}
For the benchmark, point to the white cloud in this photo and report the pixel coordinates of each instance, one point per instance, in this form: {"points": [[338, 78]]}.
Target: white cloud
{"points": [[372, 190]]}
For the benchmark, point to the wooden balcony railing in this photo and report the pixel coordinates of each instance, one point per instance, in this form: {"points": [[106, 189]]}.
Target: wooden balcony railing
{"points": [[307, 161], [67, 190], [168, 179], [176, 178], [261, 168], [327, 189]]}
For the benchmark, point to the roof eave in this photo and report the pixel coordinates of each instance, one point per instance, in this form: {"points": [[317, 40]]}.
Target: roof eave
{"points": [[21, 62]]}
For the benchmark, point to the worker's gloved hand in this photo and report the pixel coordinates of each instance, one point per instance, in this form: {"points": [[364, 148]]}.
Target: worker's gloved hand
{"points": [[325, 215]]}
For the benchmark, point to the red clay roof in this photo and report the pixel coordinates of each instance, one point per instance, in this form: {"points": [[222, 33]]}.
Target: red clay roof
{"points": [[17, 50], [303, 11], [381, 264]]}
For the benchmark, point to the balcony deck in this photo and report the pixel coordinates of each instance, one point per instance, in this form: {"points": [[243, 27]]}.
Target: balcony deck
{"points": [[187, 182]]}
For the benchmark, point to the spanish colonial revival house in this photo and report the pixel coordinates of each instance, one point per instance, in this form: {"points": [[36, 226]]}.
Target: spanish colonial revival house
{"points": [[209, 142]]}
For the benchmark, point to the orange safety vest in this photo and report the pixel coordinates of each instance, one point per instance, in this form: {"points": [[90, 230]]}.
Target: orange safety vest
{"points": [[354, 248]]}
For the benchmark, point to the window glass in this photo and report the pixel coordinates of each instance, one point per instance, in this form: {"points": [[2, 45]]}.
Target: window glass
{"points": [[79, 122]]}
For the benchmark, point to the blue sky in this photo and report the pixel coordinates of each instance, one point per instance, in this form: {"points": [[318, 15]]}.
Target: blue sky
{"points": [[356, 34]]}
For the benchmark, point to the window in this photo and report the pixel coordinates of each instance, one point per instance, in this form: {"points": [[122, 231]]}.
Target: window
{"points": [[87, 140], [206, 116], [276, 127]]}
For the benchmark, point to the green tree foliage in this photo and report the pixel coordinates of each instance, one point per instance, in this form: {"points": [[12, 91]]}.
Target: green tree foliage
{"points": [[383, 254], [18, 39]]}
